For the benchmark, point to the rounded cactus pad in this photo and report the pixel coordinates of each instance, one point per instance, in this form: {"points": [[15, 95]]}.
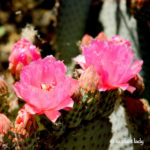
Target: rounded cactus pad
{"points": [[93, 135], [91, 105]]}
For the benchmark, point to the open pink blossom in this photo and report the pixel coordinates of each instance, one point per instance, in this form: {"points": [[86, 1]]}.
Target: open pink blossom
{"points": [[22, 54], [113, 61], [5, 124], [45, 88]]}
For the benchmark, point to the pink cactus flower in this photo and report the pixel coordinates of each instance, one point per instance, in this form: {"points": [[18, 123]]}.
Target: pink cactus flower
{"points": [[112, 60], [25, 123], [22, 54], [5, 124], [45, 88]]}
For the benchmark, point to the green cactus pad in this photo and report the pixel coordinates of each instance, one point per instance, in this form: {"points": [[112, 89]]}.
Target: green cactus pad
{"points": [[91, 135], [74, 117], [108, 101], [91, 105]]}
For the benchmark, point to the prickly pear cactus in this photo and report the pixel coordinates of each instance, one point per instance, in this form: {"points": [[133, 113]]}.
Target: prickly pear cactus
{"points": [[87, 119], [116, 128], [110, 119], [90, 105]]}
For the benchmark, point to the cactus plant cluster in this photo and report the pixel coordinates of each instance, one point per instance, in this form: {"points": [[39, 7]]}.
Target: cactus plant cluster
{"points": [[99, 107], [74, 113]]}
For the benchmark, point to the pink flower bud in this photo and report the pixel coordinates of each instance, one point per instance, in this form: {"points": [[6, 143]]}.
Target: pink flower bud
{"points": [[89, 79], [101, 36], [5, 124], [25, 123], [86, 39], [22, 54]]}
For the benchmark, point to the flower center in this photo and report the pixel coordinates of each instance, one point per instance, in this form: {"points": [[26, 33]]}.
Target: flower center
{"points": [[48, 87]]}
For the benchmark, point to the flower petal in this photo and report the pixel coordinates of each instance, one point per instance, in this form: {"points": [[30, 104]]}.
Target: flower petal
{"points": [[68, 103], [134, 69], [80, 59], [101, 36], [37, 97], [52, 115], [131, 89], [31, 109]]}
